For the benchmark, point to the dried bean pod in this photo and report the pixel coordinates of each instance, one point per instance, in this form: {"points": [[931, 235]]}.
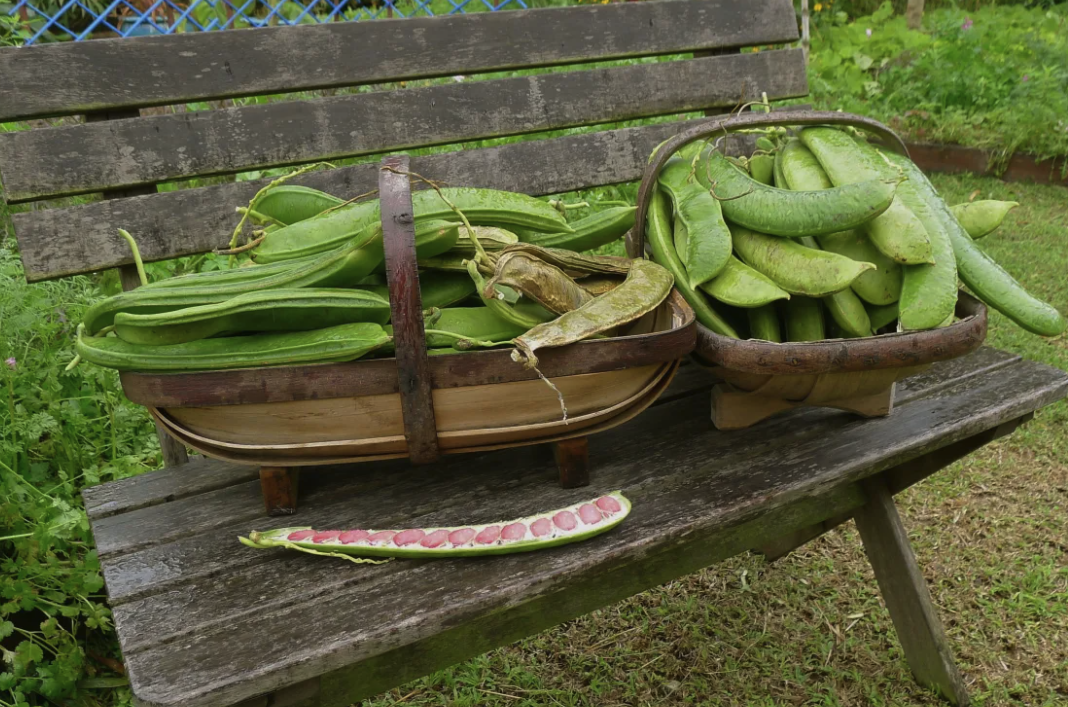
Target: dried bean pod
{"points": [[646, 286], [537, 280], [576, 522]]}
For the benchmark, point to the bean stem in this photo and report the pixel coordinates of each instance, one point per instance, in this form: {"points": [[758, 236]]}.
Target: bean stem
{"points": [[136, 256]]}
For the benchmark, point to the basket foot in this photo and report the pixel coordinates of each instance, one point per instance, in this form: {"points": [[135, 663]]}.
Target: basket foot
{"points": [[733, 409], [573, 461], [279, 487]]}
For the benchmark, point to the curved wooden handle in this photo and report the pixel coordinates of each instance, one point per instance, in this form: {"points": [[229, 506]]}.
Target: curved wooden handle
{"points": [[406, 308], [726, 124]]}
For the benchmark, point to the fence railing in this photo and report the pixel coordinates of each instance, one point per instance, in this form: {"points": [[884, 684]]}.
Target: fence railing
{"points": [[24, 22]]}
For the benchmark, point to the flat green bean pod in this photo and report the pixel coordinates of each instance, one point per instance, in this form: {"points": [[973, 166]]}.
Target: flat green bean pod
{"points": [[346, 342], [707, 241], [271, 310], [482, 207], [764, 324], [929, 291], [594, 231], [779, 212], [288, 203], [795, 268], [801, 171], [981, 217], [741, 286], [896, 232], [659, 235], [804, 320]]}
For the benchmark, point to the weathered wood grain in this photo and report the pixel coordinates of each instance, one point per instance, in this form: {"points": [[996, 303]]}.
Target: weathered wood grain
{"points": [[886, 542], [199, 476], [406, 309], [78, 77], [712, 482], [58, 242], [118, 154]]}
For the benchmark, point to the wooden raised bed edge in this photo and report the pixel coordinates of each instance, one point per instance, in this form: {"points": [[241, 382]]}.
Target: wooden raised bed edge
{"points": [[1021, 167]]}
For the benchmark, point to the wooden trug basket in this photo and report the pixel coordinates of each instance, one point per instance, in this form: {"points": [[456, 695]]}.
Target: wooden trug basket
{"points": [[762, 378], [415, 405]]}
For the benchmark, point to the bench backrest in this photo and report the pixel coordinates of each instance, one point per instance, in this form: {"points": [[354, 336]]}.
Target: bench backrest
{"points": [[125, 152]]}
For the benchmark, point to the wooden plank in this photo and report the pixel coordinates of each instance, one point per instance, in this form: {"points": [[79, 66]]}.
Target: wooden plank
{"points": [[897, 479], [1021, 167], [58, 242], [46, 80], [710, 475], [85, 158], [200, 475], [679, 508], [905, 592]]}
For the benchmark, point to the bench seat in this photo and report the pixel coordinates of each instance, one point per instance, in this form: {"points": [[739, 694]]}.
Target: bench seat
{"points": [[205, 621]]}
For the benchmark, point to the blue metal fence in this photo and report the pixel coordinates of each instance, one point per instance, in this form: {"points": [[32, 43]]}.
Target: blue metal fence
{"points": [[24, 22]]}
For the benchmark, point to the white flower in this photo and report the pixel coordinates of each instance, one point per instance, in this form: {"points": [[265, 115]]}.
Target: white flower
{"points": [[868, 32]]}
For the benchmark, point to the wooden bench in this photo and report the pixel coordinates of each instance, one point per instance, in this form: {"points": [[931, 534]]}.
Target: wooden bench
{"points": [[204, 621]]}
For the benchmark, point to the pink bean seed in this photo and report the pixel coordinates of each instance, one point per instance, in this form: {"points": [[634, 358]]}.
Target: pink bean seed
{"points": [[461, 536], [589, 514], [325, 536], [489, 535], [382, 536], [353, 536], [541, 527], [515, 531], [435, 539], [300, 535], [407, 537], [609, 504], [565, 520]]}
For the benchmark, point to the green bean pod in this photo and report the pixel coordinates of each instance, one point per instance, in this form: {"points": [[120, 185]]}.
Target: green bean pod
{"points": [[795, 268], [489, 237], [779, 212], [988, 280], [346, 342], [741, 286], [598, 229], [804, 320], [658, 234], [448, 326], [762, 168], [845, 308], [681, 238], [881, 315], [802, 172], [708, 242], [270, 310], [896, 232], [928, 292], [288, 203], [482, 207], [981, 217], [764, 324]]}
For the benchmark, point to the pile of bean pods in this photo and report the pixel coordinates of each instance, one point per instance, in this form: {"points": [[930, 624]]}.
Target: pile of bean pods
{"points": [[496, 269], [821, 235]]}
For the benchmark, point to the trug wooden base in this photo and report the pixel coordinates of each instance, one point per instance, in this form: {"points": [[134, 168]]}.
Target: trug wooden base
{"points": [[734, 409], [573, 461]]}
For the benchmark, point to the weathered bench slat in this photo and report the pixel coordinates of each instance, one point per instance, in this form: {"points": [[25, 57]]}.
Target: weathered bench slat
{"points": [[273, 633], [166, 538], [76, 78], [58, 242], [81, 158]]}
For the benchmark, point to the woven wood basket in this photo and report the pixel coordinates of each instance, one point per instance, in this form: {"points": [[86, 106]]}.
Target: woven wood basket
{"points": [[414, 405], [759, 378]]}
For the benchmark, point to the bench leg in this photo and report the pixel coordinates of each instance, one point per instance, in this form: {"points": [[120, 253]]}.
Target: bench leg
{"points": [[906, 595], [573, 461], [279, 487]]}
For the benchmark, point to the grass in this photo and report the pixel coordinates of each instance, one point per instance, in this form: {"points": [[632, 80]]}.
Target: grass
{"points": [[811, 628]]}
